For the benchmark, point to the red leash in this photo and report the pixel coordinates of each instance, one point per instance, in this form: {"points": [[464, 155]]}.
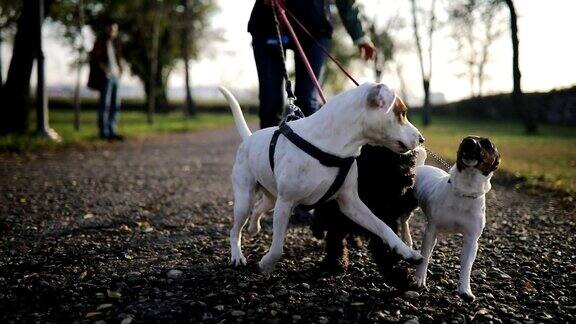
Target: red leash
{"points": [[281, 8], [300, 51], [305, 30]]}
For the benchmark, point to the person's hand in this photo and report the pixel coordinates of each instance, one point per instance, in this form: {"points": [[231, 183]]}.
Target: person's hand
{"points": [[367, 50], [105, 69]]}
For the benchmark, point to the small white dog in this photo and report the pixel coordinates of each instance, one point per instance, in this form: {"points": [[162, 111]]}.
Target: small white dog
{"points": [[455, 202], [289, 176]]}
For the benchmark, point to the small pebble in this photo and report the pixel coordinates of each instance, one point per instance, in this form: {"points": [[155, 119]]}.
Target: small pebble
{"points": [[174, 274]]}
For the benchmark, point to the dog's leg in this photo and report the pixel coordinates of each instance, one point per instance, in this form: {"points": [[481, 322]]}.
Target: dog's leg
{"points": [[244, 190], [467, 258], [387, 263], [428, 243], [282, 212], [356, 210], [336, 259], [405, 229], [263, 205]]}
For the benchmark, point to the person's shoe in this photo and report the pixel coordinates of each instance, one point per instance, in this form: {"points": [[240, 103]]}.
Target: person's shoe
{"points": [[116, 137]]}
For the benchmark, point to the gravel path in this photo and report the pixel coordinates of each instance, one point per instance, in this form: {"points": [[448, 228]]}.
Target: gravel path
{"points": [[138, 231]]}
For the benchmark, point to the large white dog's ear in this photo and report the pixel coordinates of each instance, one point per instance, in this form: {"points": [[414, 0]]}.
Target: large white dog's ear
{"points": [[380, 96]]}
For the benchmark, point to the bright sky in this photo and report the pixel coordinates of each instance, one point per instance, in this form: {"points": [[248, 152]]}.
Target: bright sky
{"points": [[547, 49]]}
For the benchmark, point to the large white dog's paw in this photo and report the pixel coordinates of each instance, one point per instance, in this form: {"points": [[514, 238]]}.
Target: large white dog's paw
{"points": [[237, 260], [420, 280], [408, 254], [267, 264], [466, 294]]}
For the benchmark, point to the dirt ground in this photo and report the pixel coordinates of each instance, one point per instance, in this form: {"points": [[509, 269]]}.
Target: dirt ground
{"points": [[138, 232]]}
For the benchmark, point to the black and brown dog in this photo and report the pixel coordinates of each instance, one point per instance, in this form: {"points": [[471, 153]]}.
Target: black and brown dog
{"points": [[385, 185]]}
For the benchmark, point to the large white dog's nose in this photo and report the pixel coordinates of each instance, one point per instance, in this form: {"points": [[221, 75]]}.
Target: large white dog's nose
{"points": [[421, 139]]}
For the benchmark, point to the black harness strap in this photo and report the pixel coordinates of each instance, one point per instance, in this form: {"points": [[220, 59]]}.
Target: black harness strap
{"points": [[272, 148], [327, 159]]}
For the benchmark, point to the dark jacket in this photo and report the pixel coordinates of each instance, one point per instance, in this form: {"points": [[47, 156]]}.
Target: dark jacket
{"points": [[99, 62], [314, 15]]}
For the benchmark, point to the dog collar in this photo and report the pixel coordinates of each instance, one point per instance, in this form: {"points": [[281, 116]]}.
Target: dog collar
{"points": [[463, 195], [469, 196], [327, 159]]}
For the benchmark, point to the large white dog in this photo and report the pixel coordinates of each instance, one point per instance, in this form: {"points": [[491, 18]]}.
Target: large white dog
{"points": [[370, 113], [455, 202]]}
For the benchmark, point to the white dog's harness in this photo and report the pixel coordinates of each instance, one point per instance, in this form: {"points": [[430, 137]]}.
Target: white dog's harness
{"points": [[327, 159]]}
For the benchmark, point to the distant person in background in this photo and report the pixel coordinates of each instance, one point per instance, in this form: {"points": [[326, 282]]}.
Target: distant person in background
{"points": [[105, 72], [315, 16]]}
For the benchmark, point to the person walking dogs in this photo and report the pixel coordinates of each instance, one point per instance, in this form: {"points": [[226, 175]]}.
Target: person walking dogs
{"points": [[315, 16], [105, 72]]}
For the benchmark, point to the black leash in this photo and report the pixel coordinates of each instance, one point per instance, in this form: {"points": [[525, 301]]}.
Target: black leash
{"points": [[292, 112]]}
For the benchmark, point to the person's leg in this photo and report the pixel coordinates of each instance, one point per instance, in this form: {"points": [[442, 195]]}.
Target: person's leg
{"points": [[114, 107], [307, 97], [270, 79], [103, 110]]}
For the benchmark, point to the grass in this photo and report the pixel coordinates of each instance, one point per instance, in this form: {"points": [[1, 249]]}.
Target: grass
{"points": [[131, 124], [547, 159]]}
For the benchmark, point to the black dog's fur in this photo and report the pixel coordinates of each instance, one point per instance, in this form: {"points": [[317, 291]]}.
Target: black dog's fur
{"points": [[385, 185]]}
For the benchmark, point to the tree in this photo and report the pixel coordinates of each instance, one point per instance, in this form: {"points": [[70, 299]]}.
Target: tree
{"points": [[70, 16], [382, 39], [141, 23], [427, 18], [530, 123], [476, 25], [9, 10], [186, 17], [81, 57], [333, 78], [15, 93], [382, 34]]}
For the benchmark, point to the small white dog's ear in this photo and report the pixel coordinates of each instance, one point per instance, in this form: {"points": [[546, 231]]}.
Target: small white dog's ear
{"points": [[380, 96]]}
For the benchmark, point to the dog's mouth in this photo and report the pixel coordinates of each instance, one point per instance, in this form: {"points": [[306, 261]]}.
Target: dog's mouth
{"points": [[470, 157], [403, 147], [469, 162]]}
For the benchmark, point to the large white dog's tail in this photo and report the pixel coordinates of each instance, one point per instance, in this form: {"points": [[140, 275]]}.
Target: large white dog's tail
{"points": [[420, 155], [239, 120]]}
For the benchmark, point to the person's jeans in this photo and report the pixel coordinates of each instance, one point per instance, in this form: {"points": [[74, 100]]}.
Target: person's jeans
{"points": [[108, 108], [271, 83]]}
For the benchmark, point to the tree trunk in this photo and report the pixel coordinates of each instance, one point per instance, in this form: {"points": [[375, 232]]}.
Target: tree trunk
{"points": [[517, 96], [426, 107], [15, 93], [426, 76], [1, 78], [160, 92], [152, 99], [190, 106], [77, 103]]}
